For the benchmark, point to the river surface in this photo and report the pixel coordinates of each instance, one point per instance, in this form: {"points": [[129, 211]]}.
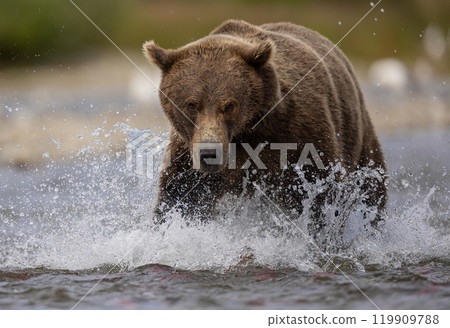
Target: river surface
{"points": [[80, 235]]}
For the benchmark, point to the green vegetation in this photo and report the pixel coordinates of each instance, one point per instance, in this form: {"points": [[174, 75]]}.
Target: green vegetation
{"points": [[38, 31]]}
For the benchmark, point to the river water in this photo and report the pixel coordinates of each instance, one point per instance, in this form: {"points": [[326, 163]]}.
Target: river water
{"points": [[79, 235]]}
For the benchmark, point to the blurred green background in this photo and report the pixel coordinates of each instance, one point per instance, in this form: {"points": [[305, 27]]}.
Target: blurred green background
{"points": [[65, 90], [38, 31]]}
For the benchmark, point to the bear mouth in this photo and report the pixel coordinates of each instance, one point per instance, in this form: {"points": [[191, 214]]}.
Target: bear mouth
{"points": [[205, 167], [211, 169]]}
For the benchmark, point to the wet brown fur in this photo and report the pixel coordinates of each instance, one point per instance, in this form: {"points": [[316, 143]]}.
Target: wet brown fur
{"points": [[253, 67]]}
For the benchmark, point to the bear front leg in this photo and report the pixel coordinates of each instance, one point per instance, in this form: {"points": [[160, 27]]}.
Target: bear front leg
{"points": [[292, 198], [376, 197], [318, 218], [187, 192], [177, 194]]}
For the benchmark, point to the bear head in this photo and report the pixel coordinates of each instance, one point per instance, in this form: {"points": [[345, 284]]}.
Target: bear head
{"points": [[213, 91]]}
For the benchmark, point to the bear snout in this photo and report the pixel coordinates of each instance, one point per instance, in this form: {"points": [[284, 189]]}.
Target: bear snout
{"points": [[209, 145]]}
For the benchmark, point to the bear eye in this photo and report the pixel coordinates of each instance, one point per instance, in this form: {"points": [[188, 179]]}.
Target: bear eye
{"points": [[228, 108], [191, 107]]}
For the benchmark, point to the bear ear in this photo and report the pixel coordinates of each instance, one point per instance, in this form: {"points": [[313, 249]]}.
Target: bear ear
{"points": [[260, 54], [159, 56]]}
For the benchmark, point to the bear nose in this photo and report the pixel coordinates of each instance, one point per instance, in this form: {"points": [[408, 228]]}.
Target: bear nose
{"points": [[207, 154]]}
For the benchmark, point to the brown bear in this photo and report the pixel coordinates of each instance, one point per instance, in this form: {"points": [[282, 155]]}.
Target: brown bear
{"points": [[239, 88]]}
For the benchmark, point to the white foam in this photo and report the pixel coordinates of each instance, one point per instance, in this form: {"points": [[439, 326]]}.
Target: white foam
{"points": [[97, 221]]}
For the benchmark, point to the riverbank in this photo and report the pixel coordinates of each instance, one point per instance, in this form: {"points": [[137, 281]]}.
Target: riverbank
{"points": [[52, 113]]}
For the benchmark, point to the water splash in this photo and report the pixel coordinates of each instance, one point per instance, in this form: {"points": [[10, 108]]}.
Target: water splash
{"points": [[94, 213]]}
